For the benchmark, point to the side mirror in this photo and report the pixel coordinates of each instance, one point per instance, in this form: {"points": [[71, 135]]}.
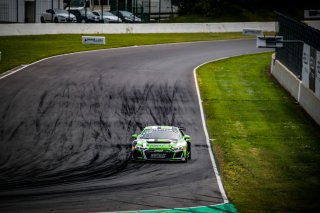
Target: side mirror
{"points": [[134, 136], [187, 138]]}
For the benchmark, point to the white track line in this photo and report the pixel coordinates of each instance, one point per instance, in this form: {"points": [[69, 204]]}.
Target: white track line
{"points": [[214, 165], [6, 74]]}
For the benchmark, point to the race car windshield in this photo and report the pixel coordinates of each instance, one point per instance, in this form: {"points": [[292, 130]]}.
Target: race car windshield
{"points": [[160, 134]]}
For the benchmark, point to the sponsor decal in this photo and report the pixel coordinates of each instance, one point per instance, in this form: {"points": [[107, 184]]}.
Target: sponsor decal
{"points": [[157, 155], [93, 40], [306, 65], [311, 68], [317, 84], [252, 32], [312, 74]]}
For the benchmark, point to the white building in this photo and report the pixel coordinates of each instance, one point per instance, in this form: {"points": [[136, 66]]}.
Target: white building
{"points": [[29, 11], [25, 11]]}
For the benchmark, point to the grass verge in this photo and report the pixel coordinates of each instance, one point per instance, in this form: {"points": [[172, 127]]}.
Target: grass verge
{"points": [[266, 146], [17, 50]]}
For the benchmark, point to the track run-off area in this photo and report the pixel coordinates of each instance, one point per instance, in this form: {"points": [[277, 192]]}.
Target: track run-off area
{"points": [[66, 123]]}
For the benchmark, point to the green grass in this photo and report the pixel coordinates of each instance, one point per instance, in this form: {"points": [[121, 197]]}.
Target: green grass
{"points": [[17, 50], [268, 149]]}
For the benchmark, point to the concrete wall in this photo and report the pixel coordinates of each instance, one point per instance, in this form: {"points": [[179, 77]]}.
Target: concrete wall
{"points": [[49, 28], [307, 98], [310, 103], [315, 24], [286, 78]]}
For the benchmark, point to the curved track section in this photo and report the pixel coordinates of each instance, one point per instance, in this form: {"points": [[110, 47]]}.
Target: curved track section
{"points": [[65, 126]]}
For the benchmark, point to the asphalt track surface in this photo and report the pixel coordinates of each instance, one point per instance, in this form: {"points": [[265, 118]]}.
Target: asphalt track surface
{"points": [[66, 122]]}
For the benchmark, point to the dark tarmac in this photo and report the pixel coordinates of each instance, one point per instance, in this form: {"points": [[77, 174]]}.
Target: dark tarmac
{"points": [[66, 122]]}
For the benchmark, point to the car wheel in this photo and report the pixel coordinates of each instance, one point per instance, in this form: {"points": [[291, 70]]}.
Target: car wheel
{"points": [[42, 20], [132, 155], [189, 151], [83, 21], [186, 159]]}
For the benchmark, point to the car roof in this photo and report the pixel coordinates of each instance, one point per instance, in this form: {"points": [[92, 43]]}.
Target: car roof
{"points": [[162, 127]]}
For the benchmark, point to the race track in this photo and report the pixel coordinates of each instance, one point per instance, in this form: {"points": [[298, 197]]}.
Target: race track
{"points": [[66, 122]]}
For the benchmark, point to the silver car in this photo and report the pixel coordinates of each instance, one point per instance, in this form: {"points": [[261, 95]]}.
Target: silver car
{"points": [[108, 17], [58, 16]]}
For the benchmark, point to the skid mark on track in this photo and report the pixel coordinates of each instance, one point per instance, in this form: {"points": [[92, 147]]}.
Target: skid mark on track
{"points": [[79, 131]]}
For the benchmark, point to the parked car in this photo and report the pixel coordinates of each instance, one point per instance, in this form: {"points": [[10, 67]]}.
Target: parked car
{"points": [[108, 17], [58, 15], [126, 16], [85, 15]]}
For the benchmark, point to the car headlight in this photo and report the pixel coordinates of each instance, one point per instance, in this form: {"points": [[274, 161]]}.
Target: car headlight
{"points": [[177, 148], [140, 148]]}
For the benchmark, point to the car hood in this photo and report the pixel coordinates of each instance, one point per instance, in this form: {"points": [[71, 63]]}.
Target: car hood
{"points": [[92, 17], [162, 144], [111, 17], [66, 15], [131, 18]]}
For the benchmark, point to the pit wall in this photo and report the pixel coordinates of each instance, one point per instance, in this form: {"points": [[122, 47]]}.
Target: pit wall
{"points": [[306, 97], [51, 28]]}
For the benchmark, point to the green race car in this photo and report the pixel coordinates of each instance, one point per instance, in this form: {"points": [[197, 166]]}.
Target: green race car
{"points": [[161, 143]]}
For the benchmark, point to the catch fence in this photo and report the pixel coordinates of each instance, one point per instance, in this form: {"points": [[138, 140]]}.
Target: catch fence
{"points": [[292, 54]]}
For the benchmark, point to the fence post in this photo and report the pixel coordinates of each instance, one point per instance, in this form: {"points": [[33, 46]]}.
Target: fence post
{"points": [[159, 10], [17, 2]]}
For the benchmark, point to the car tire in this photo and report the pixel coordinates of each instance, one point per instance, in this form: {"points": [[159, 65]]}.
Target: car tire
{"points": [[83, 21], [186, 160], [189, 151], [56, 20], [42, 20], [189, 155], [133, 159]]}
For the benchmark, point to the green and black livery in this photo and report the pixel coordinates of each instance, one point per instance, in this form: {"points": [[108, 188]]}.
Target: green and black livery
{"points": [[161, 143]]}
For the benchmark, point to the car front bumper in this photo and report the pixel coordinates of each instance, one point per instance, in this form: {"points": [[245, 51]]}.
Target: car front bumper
{"points": [[67, 20], [159, 155]]}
